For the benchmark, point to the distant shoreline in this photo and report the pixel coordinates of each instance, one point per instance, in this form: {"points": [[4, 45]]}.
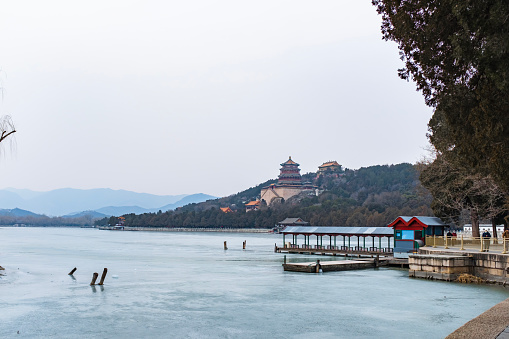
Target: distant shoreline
{"points": [[188, 229]]}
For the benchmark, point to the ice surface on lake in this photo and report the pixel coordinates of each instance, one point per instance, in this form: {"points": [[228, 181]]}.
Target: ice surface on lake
{"points": [[184, 285]]}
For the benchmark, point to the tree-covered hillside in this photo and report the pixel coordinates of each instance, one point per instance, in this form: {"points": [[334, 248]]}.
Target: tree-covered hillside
{"points": [[371, 196]]}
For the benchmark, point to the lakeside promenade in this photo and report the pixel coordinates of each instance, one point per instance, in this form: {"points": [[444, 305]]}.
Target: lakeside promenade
{"points": [[493, 323], [187, 229]]}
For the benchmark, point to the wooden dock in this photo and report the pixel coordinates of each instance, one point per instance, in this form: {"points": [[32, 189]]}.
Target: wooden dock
{"points": [[343, 265], [333, 266]]}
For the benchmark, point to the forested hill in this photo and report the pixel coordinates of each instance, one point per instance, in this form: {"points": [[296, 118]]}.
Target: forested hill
{"points": [[371, 196]]}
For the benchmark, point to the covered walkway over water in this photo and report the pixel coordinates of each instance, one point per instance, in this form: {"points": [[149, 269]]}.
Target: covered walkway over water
{"points": [[345, 243]]}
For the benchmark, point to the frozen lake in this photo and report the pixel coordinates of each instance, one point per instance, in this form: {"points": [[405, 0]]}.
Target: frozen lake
{"points": [[184, 285]]}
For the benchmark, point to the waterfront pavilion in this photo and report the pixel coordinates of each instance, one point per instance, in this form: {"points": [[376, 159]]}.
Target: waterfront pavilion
{"points": [[346, 234]]}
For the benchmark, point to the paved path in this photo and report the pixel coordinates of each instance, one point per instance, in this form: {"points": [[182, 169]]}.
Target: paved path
{"points": [[505, 334], [492, 324]]}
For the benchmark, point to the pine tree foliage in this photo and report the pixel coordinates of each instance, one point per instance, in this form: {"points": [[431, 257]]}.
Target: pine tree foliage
{"points": [[457, 52]]}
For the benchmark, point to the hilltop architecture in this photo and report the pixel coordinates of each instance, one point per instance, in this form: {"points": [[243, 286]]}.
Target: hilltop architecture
{"points": [[226, 209], [289, 174], [329, 167], [253, 206], [289, 184]]}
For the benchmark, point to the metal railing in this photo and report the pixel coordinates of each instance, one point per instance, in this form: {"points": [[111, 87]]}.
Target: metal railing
{"points": [[461, 242], [290, 246]]}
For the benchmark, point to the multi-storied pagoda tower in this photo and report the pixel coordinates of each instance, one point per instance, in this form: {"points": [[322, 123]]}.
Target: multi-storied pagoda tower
{"points": [[289, 184], [290, 174]]}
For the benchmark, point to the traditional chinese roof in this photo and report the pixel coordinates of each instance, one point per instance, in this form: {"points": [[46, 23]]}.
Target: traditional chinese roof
{"points": [[423, 221], [340, 230], [293, 221], [226, 209], [289, 162], [253, 203], [429, 221], [330, 164]]}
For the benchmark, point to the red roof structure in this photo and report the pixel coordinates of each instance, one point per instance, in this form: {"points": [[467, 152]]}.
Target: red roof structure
{"points": [[253, 205], [226, 209], [410, 233]]}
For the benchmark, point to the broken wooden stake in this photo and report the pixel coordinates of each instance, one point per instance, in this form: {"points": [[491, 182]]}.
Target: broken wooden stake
{"points": [[244, 245], [318, 267], [103, 276], [225, 247], [72, 271], [94, 278]]}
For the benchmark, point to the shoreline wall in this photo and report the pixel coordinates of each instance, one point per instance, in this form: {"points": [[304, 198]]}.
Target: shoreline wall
{"points": [[188, 229], [448, 265]]}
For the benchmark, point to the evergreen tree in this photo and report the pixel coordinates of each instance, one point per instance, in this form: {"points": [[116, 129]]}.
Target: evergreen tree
{"points": [[457, 52]]}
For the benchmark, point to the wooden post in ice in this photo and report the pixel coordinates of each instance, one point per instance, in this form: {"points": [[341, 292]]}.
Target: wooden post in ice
{"points": [[225, 247], [72, 271], [103, 276], [244, 245], [94, 278], [317, 268]]}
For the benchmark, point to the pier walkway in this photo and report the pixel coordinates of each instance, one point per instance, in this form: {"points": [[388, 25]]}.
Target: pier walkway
{"points": [[349, 240], [332, 250]]}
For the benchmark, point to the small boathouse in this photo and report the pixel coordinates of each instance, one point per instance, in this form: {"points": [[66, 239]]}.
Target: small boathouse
{"points": [[410, 233]]}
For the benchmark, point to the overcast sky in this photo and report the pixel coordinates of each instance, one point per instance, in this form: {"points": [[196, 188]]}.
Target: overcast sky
{"points": [[176, 97]]}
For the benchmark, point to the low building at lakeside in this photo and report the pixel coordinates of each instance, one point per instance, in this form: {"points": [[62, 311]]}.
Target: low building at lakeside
{"points": [[289, 222], [467, 228], [293, 222], [410, 233]]}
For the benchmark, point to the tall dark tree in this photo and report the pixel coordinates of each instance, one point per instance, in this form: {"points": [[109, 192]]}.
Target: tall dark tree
{"points": [[457, 52], [456, 188]]}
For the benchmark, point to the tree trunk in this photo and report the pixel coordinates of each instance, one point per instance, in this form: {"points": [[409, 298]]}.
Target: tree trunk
{"points": [[474, 217], [494, 225]]}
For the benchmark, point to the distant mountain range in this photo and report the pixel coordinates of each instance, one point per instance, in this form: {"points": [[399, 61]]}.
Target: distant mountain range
{"points": [[16, 212], [99, 202]]}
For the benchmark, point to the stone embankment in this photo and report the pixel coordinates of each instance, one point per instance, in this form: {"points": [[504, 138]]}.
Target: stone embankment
{"points": [[188, 229], [449, 265]]}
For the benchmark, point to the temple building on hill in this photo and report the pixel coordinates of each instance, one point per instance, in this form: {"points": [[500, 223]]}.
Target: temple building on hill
{"points": [[253, 205], [226, 209], [289, 184], [329, 167], [289, 174]]}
